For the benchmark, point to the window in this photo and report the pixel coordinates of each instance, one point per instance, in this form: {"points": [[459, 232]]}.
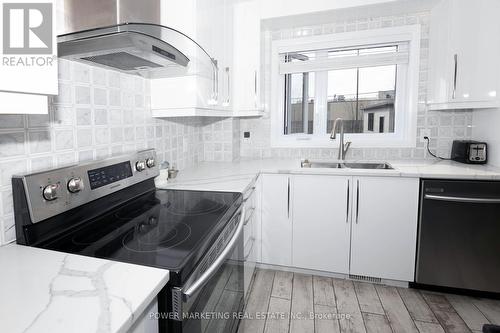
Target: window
{"points": [[381, 124], [354, 92], [351, 93], [299, 102], [371, 117], [372, 86]]}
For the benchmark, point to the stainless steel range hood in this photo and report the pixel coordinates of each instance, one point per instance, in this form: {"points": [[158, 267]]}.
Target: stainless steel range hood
{"points": [[101, 33]]}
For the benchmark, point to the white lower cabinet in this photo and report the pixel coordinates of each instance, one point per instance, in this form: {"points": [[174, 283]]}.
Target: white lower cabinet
{"points": [[321, 224], [341, 224], [257, 220], [144, 323], [384, 227], [276, 220]]}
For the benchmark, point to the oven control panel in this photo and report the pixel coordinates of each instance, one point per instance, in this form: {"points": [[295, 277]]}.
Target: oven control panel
{"points": [[109, 174], [53, 192]]}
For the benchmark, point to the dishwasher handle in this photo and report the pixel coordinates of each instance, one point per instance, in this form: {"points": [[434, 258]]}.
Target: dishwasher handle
{"points": [[461, 199]]}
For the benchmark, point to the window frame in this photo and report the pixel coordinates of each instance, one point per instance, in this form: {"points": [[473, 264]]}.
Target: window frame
{"points": [[407, 77]]}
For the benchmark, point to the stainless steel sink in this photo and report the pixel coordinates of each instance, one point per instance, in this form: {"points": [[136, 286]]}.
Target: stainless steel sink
{"points": [[330, 165], [365, 165], [350, 165]]}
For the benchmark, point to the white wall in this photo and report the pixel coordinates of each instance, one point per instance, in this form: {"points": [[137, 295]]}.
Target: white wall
{"points": [[485, 127], [279, 8]]}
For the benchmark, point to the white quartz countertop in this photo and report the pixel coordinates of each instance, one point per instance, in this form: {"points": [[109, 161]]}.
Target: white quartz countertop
{"points": [[48, 291], [236, 176]]}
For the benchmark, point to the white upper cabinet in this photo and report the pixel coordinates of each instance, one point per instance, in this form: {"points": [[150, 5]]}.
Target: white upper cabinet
{"points": [[384, 227], [321, 222], [222, 41], [230, 33], [246, 52], [464, 49], [16, 103], [201, 93]]}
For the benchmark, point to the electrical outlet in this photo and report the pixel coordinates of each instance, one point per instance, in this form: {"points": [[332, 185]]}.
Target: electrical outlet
{"points": [[425, 132]]}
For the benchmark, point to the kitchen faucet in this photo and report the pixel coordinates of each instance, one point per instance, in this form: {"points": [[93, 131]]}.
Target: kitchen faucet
{"points": [[342, 147]]}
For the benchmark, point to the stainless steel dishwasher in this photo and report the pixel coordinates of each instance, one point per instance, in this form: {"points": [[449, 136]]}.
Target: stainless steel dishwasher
{"points": [[459, 235]]}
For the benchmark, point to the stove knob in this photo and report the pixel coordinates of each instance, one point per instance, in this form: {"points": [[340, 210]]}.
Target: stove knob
{"points": [[75, 185], [50, 192], [140, 166], [152, 221], [150, 162]]}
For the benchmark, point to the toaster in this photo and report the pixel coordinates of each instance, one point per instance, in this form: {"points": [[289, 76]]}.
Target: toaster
{"points": [[467, 151]]}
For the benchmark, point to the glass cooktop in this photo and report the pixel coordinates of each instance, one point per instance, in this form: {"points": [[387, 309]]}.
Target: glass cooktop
{"points": [[168, 229]]}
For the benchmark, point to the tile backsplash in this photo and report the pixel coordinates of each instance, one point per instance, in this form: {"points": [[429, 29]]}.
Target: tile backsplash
{"points": [[97, 114], [221, 139]]}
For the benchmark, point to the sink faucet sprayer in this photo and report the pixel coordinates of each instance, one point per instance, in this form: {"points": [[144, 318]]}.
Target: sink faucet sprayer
{"points": [[343, 148]]}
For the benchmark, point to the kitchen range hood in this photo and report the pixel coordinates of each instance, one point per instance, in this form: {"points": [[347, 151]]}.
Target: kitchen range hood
{"points": [[126, 35]]}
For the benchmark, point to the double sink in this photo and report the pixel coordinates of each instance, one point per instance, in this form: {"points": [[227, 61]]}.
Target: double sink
{"points": [[341, 165]]}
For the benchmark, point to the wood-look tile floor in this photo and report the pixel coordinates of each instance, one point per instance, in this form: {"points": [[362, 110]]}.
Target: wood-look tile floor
{"points": [[283, 302]]}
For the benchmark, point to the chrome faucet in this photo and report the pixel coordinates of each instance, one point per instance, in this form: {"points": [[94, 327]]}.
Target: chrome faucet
{"points": [[343, 148]]}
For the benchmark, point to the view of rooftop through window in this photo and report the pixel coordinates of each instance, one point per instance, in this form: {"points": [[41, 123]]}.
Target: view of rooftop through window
{"points": [[354, 94]]}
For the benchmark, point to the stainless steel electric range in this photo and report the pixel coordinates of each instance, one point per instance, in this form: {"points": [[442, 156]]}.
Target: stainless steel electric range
{"points": [[111, 209]]}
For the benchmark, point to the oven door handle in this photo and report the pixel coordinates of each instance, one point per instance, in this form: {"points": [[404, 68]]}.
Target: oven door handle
{"points": [[461, 199], [193, 288]]}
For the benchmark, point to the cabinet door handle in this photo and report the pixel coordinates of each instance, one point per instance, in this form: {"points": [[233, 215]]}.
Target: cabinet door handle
{"points": [[227, 101], [348, 198], [357, 201], [455, 71], [255, 87], [288, 200], [215, 83]]}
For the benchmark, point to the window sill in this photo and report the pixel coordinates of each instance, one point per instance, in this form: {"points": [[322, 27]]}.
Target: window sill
{"points": [[373, 141]]}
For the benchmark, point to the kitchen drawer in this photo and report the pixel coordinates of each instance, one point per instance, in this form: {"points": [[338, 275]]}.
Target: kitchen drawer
{"points": [[249, 201], [249, 236], [250, 263]]}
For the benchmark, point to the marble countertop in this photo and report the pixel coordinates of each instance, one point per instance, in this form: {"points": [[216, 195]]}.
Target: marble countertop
{"points": [[49, 291], [236, 176]]}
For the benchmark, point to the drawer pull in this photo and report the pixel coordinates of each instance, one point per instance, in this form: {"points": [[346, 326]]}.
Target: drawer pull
{"points": [[251, 248], [250, 215], [248, 194]]}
